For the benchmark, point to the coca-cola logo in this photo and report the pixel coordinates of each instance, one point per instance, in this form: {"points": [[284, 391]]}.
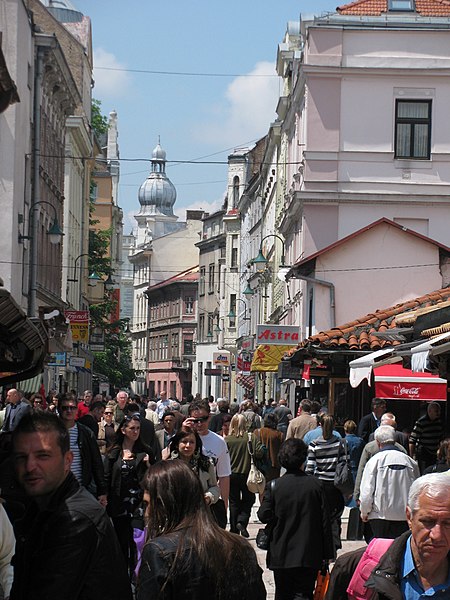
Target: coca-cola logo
{"points": [[399, 390]]}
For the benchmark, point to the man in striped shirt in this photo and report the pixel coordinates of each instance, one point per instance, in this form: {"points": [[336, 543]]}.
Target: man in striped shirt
{"points": [[426, 436], [87, 465]]}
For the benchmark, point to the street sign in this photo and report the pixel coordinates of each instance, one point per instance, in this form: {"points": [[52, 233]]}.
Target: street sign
{"points": [[216, 372]]}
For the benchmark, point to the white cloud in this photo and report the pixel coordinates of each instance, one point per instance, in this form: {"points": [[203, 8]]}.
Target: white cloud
{"points": [[208, 207], [248, 108], [109, 83]]}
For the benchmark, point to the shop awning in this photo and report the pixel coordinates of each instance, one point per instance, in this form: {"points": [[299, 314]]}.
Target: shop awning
{"points": [[394, 381], [246, 381]]}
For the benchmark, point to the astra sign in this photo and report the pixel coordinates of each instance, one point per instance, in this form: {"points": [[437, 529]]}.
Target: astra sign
{"points": [[277, 335]]}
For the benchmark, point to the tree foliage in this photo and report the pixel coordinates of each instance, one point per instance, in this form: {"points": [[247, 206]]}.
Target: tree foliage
{"points": [[98, 121], [115, 361]]}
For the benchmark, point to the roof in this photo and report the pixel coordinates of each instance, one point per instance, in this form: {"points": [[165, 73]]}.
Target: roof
{"points": [[358, 334], [425, 8], [355, 234], [190, 275]]}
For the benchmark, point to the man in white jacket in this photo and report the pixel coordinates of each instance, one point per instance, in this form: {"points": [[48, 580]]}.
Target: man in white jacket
{"points": [[385, 484]]}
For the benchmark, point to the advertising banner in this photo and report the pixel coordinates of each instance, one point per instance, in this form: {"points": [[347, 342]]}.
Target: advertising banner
{"points": [[79, 325]]}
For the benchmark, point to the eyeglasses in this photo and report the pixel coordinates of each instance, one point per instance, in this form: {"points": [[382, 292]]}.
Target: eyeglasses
{"points": [[38, 401], [68, 407], [200, 419]]}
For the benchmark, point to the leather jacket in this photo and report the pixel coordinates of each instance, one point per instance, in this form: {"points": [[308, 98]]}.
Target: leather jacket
{"points": [[68, 550], [194, 582], [91, 460]]}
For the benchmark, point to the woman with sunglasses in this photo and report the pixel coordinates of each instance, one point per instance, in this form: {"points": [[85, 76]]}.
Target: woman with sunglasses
{"points": [[186, 555], [186, 445], [125, 467]]}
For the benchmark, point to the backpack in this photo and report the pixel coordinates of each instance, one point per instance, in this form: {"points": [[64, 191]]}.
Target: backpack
{"points": [[356, 588]]}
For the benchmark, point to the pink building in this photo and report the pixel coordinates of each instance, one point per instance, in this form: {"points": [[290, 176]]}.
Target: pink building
{"points": [[365, 136]]}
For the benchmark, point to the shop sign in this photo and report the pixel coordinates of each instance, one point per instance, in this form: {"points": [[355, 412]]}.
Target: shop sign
{"points": [[57, 359], [79, 324], [278, 335], [221, 358]]}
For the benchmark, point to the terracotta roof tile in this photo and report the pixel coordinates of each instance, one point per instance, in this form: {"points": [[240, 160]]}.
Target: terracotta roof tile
{"points": [[359, 334], [425, 8]]}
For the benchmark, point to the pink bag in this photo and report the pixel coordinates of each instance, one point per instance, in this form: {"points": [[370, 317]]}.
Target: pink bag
{"points": [[369, 560]]}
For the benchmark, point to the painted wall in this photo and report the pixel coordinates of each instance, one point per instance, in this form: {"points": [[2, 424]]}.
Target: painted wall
{"points": [[377, 269]]}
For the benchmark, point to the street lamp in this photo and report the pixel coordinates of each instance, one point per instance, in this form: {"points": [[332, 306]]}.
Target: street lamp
{"points": [[54, 232], [261, 260], [248, 291], [93, 277], [232, 314]]}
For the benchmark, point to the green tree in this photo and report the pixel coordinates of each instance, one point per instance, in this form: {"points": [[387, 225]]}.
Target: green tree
{"points": [[115, 361], [98, 121]]}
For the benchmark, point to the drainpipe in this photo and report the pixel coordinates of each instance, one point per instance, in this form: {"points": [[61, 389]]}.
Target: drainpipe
{"points": [[327, 284]]}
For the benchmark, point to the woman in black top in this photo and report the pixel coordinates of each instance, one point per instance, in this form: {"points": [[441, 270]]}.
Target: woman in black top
{"points": [[125, 466], [187, 556]]}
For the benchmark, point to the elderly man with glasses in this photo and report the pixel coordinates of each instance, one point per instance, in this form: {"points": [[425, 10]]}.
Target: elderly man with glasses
{"points": [[87, 465]]}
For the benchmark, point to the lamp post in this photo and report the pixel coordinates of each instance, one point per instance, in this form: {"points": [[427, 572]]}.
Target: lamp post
{"points": [[232, 313], [92, 277], [261, 260], [55, 234]]}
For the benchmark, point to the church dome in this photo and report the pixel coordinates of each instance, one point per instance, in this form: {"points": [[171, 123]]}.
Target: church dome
{"points": [[157, 194]]}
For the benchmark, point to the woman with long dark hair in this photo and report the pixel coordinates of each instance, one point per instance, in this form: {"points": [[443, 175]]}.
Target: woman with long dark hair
{"points": [[186, 445], [324, 453], [125, 466], [187, 556]]}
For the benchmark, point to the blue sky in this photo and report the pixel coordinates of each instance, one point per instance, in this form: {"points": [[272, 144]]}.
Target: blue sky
{"points": [[195, 116]]}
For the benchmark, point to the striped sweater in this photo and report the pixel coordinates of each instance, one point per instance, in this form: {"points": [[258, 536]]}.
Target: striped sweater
{"points": [[323, 456]]}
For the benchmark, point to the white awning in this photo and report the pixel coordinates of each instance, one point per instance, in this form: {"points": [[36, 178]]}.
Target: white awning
{"points": [[361, 368]]}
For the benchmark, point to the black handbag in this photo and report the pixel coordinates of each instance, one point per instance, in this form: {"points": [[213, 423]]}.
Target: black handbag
{"points": [[263, 536], [262, 539], [219, 513], [343, 478]]}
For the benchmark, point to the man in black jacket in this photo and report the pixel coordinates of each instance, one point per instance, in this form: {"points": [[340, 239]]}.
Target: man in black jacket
{"points": [[64, 524]]}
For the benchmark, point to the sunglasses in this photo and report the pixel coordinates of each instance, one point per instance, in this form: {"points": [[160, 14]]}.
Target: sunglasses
{"points": [[108, 413], [38, 401], [134, 416], [200, 419], [68, 407]]}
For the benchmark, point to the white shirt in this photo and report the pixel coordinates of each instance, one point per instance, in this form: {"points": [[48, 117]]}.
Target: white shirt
{"points": [[7, 546], [216, 449]]}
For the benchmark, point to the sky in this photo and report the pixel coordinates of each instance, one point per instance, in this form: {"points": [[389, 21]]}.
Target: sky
{"points": [[228, 101]]}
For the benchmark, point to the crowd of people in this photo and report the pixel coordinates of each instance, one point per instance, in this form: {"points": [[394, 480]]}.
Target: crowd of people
{"points": [[136, 497]]}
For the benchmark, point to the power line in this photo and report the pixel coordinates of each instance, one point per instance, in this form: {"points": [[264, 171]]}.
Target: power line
{"points": [[183, 73]]}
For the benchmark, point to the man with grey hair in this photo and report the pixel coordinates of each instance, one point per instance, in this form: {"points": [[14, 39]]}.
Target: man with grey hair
{"points": [[416, 565], [385, 484]]}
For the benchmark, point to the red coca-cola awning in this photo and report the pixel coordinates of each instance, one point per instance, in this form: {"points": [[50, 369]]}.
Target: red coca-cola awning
{"points": [[393, 381]]}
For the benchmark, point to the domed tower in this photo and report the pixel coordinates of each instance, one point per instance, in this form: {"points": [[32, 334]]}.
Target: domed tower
{"points": [[157, 197], [157, 194]]}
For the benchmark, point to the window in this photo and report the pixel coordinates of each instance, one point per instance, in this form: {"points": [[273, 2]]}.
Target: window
{"points": [[234, 251], [188, 346], [189, 305], [232, 313], [201, 327], [401, 5], [210, 332], [211, 278], [201, 281], [413, 129], [235, 191]]}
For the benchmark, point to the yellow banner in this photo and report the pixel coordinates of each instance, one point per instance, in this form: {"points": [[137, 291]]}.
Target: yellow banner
{"points": [[267, 357], [80, 332]]}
